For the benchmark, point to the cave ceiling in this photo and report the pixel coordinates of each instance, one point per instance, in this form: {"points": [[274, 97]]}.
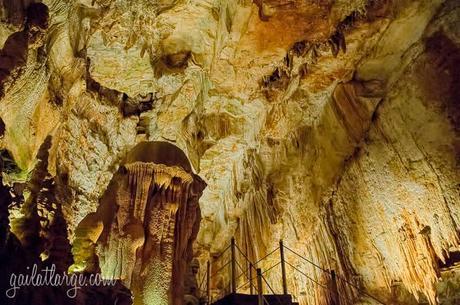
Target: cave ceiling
{"points": [[332, 125]]}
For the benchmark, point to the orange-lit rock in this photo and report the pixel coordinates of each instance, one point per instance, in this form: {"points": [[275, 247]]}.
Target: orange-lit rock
{"points": [[332, 125]]}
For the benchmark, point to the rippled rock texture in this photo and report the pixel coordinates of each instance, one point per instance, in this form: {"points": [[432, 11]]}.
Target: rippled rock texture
{"points": [[333, 125]]}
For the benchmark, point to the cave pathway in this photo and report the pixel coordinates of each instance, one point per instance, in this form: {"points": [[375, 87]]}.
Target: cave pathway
{"points": [[254, 284]]}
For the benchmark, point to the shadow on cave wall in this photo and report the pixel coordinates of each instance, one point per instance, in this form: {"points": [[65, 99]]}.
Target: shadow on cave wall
{"points": [[41, 242]]}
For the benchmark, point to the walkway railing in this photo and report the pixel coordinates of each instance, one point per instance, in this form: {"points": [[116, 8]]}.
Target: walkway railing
{"points": [[259, 278]]}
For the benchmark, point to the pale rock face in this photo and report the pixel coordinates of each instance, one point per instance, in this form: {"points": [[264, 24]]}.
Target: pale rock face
{"points": [[332, 125]]}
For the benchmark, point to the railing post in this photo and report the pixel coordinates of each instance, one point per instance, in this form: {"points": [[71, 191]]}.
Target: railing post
{"points": [[208, 283], [283, 268], [335, 292], [251, 286], [233, 265], [260, 298]]}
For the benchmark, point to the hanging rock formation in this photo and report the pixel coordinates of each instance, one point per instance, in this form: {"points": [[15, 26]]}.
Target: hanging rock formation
{"points": [[333, 125], [155, 217]]}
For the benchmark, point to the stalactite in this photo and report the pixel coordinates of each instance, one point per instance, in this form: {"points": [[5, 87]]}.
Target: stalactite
{"points": [[257, 212], [161, 201], [14, 54]]}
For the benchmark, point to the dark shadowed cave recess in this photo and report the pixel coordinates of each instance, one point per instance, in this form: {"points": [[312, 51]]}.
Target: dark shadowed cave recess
{"points": [[166, 199]]}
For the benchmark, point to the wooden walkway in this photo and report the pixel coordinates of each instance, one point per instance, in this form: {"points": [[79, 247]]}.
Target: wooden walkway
{"points": [[252, 299]]}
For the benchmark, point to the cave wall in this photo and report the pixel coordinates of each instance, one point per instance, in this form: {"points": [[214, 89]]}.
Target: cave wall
{"points": [[332, 125], [406, 171]]}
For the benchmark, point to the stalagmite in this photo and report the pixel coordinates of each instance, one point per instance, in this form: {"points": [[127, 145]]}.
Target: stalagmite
{"points": [[148, 241]]}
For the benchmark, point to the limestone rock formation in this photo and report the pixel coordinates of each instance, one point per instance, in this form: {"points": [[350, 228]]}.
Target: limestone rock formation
{"points": [[145, 226], [333, 125], [148, 242]]}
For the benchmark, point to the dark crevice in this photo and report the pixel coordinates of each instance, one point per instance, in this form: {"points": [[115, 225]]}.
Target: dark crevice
{"points": [[5, 202], [13, 56], [280, 78], [337, 40], [137, 105], [177, 61], [452, 260], [47, 231], [2, 128], [300, 48], [445, 56], [14, 12], [337, 43], [262, 15], [275, 83], [113, 96], [377, 9], [8, 162], [29, 226]]}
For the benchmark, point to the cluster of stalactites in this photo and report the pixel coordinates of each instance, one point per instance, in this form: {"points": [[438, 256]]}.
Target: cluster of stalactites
{"points": [[149, 238], [147, 178]]}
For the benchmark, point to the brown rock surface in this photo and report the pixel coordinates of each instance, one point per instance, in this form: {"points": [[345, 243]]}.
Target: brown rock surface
{"points": [[332, 125]]}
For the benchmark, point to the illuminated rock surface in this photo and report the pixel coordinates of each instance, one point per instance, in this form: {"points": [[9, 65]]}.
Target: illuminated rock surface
{"points": [[333, 125]]}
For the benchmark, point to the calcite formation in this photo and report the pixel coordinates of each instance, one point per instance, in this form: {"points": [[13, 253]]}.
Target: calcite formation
{"points": [[333, 125], [145, 226], [149, 240]]}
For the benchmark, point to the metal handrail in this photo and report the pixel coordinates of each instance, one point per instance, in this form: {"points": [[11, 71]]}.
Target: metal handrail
{"points": [[251, 279], [242, 253], [221, 253], [263, 297], [271, 267], [306, 259], [276, 249], [202, 280], [338, 276], [216, 258], [252, 265], [242, 271], [360, 290], [245, 283], [298, 270], [220, 269]]}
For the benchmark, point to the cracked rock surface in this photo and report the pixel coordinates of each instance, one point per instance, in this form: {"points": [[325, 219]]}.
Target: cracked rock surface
{"points": [[333, 125]]}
